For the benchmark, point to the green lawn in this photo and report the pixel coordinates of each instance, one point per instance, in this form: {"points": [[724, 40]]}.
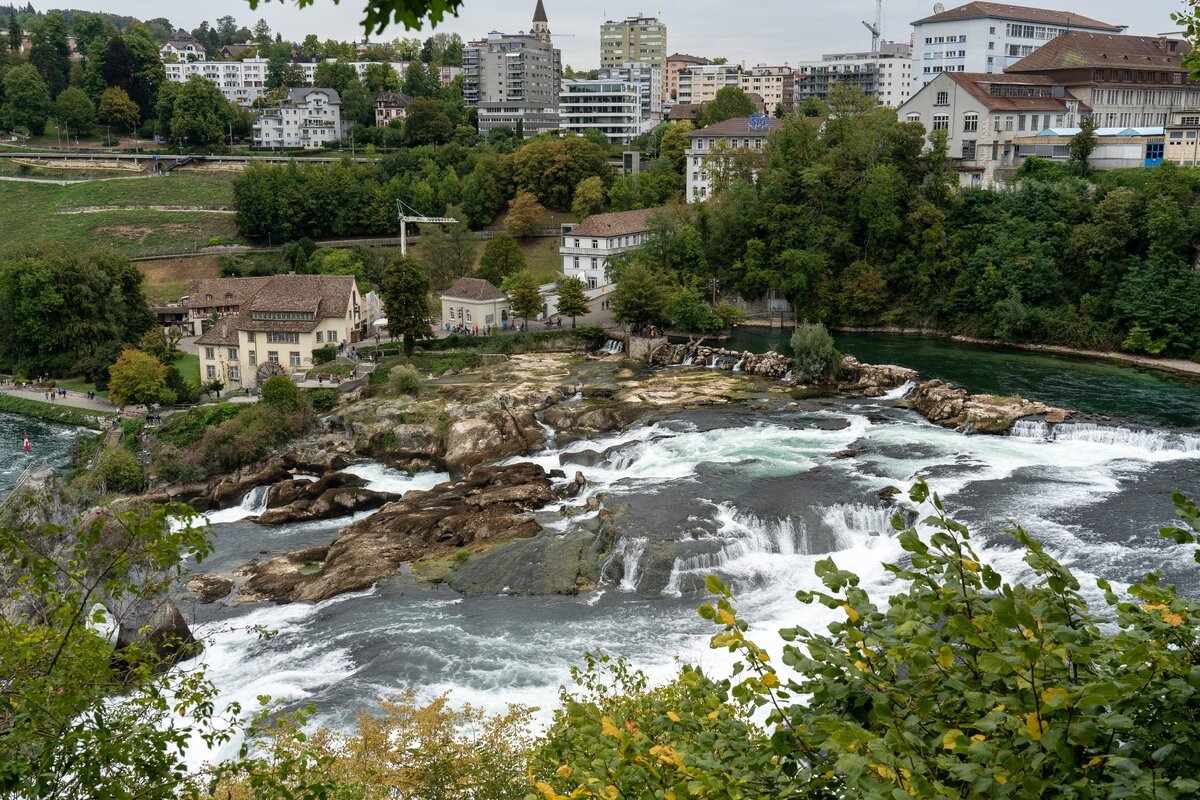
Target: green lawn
{"points": [[189, 367], [78, 384], [130, 232]]}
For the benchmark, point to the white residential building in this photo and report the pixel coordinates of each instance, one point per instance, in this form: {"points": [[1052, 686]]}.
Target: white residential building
{"points": [[610, 107], [775, 85], [648, 78], [886, 74], [700, 84], [587, 246], [739, 133], [182, 46], [243, 82], [988, 37], [309, 118]]}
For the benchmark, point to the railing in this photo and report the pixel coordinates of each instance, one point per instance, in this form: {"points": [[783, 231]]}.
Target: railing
{"points": [[22, 480]]}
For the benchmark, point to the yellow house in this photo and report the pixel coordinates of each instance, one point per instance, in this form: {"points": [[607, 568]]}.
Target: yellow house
{"points": [[473, 302], [279, 326]]}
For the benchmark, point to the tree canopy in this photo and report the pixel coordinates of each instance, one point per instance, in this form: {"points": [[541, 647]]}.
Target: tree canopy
{"points": [[405, 295]]}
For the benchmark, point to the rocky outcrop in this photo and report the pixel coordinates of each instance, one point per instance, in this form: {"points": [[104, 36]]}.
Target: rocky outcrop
{"points": [[952, 407], [492, 504], [769, 364], [159, 625], [495, 428], [232, 489], [335, 495], [209, 588], [873, 380]]}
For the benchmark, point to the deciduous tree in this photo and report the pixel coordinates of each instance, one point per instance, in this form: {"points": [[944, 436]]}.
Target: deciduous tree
{"points": [[589, 197], [75, 111], [525, 296], [405, 295], [117, 109], [502, 257], [572, 302], [138, 379], [524, 216], [26, 99]]}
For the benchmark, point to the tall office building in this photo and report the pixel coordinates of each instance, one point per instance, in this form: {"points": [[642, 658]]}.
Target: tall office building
{"points": [[633, 39], [513, 80]]}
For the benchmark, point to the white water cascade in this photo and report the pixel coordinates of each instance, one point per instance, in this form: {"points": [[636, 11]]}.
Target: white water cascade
{"points": [[787, 378], [716, 362], [613, 347], [253, 504], [630, 550], [1154, 441], [687, 362], [738, 366], [900, 392]]}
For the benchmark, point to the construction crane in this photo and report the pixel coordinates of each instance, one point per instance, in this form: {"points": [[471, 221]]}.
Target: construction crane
{"points": [[407, 215], [876, 28]]}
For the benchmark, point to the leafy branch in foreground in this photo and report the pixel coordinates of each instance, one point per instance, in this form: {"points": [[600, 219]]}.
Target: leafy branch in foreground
{"points": [[961, 685], [409, 13]]}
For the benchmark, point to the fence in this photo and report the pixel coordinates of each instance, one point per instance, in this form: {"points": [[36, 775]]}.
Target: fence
{"points": [[25, 477]]}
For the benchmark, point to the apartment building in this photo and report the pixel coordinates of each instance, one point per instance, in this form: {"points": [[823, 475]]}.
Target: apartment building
{"points": [[675, 63], [775, 85], [513, 80], [587, 246], [243, 82], [636, 38], [281, 320], [885, 74], [612, 107], [182, 46], [989, 37], [308, 118], [648, 79], [983, 114], [739, 133], [700, 84], [1127, 81]]}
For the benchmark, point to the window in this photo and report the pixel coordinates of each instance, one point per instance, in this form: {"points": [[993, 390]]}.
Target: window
{"points": [[212, 372], [294, 358], [233, 354], [1008, 122], [320, 337], [968, 150], [234, 374], [1189, 120], [595, 243], [575, 262], [254, 358], [277, 337], [943, 99], [970, 122], [941, 122], [273, 356], [467, 312], [209, 354], [913, 118], [332, 337]]}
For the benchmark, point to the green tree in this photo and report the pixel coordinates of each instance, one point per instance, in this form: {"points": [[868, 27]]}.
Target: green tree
{"points": [[502, 257], [120, 471], [89, 29], [138, 379], [687, 311], [357, 105], [426, 123], [279, 392], [1083, 144], [675, 144], [524, 296], [552, 168], [417, 81], [336, 75], [524, 216], [117, 109], [589, 197], [201, 114], [572, 302], [447, 252], [412, 14], [405, 294], [75, 111], [728, 103], [640, 297], [26, 100], [817, 360], [380, 77], [162, 344], [50, 53], [164, 111]]}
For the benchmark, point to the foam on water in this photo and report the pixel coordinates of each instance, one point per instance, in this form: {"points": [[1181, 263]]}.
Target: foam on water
{"points": [[253, 504], [382, 478], [1154, 441]]}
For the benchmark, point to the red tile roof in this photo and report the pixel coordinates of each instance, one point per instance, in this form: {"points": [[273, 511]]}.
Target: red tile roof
{"points": [[979, 84], [474, 289], [1082, 50], [222, 334], [738, 126], [617, 223], [1019, 14]]}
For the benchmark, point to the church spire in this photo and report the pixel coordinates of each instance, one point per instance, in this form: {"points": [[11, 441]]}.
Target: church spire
{"points": [[541, 24]]}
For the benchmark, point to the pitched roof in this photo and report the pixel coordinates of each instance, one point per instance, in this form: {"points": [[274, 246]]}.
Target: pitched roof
{"points": [[617, 223], [474, 289], [1019, 14], [224, 291], [539, 13], [688, 111], [1082, 50], [324, 295], [223, 334], [687, 59], [979, 85], [235, 50], [301, 95], [393, 99], [183, 37], [738, 126]]}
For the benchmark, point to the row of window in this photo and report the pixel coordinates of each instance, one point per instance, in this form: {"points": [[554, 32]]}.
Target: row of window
{"points": [[970, 122], [948, 39], [1031, 31], [948, 68], [595, 263], [936, 54]]}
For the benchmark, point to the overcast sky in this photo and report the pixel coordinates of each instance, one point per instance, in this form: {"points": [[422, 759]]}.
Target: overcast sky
{"points": [[760, 31]]}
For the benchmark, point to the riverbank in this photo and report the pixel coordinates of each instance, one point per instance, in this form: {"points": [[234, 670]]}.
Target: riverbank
{"points": [[65, 414], [1179, 366]]}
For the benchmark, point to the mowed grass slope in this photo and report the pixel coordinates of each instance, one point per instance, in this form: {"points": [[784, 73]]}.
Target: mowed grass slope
{"points": [[32, 213]]}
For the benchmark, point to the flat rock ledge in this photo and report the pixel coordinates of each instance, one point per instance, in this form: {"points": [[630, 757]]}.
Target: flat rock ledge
{"points": [[953, 407]]}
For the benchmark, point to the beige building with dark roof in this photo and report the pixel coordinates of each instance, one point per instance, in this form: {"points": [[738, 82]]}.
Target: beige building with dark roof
{"points": [[280, 321], [586, 247], [471, 302]]}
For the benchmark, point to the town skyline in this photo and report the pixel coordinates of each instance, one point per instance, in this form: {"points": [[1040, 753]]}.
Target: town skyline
{"points": [[575, 29]]}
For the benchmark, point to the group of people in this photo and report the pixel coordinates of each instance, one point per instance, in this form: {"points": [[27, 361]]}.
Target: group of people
{"points": [[645, 330], [554, 323], [54, 394]]}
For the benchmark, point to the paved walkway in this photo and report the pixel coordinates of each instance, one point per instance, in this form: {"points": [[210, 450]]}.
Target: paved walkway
{"points": [[73, 399]]}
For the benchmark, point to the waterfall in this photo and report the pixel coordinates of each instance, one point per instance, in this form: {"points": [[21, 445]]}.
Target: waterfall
{"points": [[549, 434], [900, 392], [253, 504], [738, 366], [612, 347], [789, 376], [1154, 441], [852, 521], [256, 501], [630, 551], [716, 361], [687, 362]]}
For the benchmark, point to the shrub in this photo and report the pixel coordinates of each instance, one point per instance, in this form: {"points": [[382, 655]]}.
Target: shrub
{"points": [[322, 399], [120, 470], [280, 392], [404, 379], [323, 355], [184, 430], [131, 429], [816, 357]]}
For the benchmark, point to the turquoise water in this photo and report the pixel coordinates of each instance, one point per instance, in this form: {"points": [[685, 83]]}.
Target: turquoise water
{"points": [[46, 441], [1124, 392]]}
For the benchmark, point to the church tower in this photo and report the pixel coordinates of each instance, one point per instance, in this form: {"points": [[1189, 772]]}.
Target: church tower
{"points": [[541, 25]]}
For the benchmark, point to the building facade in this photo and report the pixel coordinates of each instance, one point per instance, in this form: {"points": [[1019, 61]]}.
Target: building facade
{"points": [[611, 107], [243, 82], [513, 80], [700, 84], [587, 246], [984, 114], [775, 85], [1128, 81], [1116, 148], [675, 63], [308, 118], [473, 302], [647, 79], [280, 323], [988, 37], [182, 46], [390, 106], [718, 141], [886, 74], [1182, 138], [633, 39]]}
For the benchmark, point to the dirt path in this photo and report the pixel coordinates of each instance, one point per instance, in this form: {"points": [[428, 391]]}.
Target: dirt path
{"points": [[102, 209]]}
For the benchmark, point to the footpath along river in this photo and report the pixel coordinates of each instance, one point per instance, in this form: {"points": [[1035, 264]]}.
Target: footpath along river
{"points": [[755, 496]]}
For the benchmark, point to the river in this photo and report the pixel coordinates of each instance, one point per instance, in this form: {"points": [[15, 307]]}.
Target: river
{"points": [[756, 496], [47, 440]]}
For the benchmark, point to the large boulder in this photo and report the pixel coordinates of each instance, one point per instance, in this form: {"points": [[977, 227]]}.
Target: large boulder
{"points": [[208, 587], [953, 407], [873, 379], [159, 624]]}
